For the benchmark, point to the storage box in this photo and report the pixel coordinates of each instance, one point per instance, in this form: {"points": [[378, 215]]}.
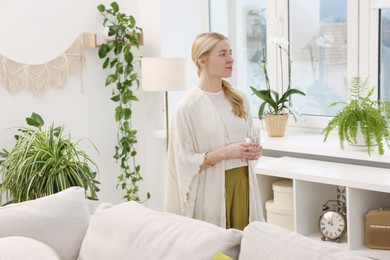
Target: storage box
{"points": [[283, 194], [283, 217], [378, 228]]}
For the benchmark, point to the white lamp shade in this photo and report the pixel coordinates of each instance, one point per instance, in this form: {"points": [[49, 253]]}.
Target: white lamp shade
{"points": [[163, 74]]}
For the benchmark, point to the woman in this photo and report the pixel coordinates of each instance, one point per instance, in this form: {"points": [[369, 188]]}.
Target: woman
{"points": [[210, 176]]}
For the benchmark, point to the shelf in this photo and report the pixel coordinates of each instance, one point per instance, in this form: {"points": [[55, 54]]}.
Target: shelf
{"points": [[317, 237], [90, 40], [315, 182], [311, 144]]}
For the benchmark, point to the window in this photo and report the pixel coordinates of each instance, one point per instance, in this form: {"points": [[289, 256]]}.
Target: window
{"points": [[384, 55], [244, 23], [318, 45], [329, 40]]}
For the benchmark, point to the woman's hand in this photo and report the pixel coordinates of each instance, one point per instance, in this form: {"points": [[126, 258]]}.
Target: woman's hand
{"points": [[239, 150], [243, 150]]}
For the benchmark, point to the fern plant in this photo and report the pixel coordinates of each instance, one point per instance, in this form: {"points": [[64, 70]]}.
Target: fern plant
{"points": [[361, 113]]}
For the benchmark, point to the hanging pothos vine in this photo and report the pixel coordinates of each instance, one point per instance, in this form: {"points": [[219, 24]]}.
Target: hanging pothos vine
{"points": [[119, 59]]}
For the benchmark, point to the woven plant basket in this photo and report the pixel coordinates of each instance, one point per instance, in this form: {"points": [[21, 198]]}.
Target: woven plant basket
{"points": [[276, 125]]}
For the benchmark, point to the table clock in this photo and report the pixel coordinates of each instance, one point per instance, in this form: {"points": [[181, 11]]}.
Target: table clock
{"points": [[332, 223]]}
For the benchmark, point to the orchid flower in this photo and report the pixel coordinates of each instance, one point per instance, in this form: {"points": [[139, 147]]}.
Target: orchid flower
{"points": [[280, 42], [325, 41]]}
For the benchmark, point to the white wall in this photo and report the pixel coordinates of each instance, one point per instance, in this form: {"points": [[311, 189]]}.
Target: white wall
{"points": [[35, 32], [170, 27]]}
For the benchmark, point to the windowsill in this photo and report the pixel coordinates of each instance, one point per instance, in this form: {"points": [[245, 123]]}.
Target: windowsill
{"points": [[309, 143]]}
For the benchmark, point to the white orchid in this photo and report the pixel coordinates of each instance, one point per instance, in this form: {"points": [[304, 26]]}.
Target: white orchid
{"points": [[325, 41], [279, 42], [273, 103]]}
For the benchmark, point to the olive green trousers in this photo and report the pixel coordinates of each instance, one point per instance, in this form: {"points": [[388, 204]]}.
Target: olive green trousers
{"points": [[237, 197]]}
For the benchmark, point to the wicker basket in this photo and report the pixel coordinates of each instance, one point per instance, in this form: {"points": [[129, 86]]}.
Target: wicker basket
{"points": [[276, 124]]}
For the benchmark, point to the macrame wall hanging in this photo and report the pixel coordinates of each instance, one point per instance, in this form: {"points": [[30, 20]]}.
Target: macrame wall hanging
{"points": [[38, 78]]}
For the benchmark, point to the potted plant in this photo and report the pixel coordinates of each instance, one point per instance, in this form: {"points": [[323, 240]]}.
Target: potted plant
{"points": [[43, 162], [124, 79], [361, 116], [275, 108]]}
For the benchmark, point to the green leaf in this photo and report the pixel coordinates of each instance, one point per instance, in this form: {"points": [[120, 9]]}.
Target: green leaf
{"points": [[101, 8], [290, 92], [103, 50], [115, 6], [116, 98], [126, 113], [35, 120], [261, 110], [111, 79], [132, 21], [113, 30], [106, 62], [119, 68], [129, 57], [118, 113], [113, 62]]}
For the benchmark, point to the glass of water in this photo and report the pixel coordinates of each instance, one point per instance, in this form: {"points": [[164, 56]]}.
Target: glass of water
{"points": [[253, 135]]}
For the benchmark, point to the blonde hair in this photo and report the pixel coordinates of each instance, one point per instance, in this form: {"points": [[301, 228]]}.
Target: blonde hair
{"points": [[201, 48]]}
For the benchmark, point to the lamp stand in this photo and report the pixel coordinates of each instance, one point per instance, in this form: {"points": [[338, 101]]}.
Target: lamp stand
{"points": [[166, 117]]}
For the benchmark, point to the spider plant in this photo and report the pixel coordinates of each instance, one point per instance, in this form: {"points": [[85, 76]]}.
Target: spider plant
{"points": [[44, 162]]}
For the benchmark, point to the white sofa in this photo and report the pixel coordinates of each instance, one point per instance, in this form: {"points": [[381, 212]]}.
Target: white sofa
{"points": [[60, 226]]}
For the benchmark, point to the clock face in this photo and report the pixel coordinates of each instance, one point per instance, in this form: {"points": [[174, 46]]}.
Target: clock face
{"points": [[332, 224]]}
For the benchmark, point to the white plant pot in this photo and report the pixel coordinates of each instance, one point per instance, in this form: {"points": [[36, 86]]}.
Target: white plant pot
{"points": [[360, 142]]}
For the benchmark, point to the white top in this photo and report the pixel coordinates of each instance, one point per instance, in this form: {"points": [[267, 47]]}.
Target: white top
{"points": [[235, 127]]}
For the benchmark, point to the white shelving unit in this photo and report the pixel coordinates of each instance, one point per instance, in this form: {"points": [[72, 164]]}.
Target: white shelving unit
{"points": [[316, 181]]}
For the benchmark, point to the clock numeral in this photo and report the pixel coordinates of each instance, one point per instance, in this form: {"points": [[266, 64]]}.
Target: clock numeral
{"points": [[330, 234], [326, 232], [323, 228]]}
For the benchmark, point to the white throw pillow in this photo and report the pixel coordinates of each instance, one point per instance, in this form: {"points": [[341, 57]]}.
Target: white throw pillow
{"points": [[25, 248], [266, 241], [59, 220], [131, 231]]}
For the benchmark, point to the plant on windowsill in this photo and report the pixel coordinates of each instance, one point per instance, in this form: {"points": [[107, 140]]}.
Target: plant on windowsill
{"points": [[118, 56], [43, 162], [362, 122], [275, 108]]}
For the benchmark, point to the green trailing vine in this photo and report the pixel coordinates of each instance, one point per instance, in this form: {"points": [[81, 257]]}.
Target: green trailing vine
{"points": [[119, 59]]}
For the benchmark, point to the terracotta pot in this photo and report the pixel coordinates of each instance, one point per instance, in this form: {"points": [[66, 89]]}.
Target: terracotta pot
{"points": [[276, 125]]}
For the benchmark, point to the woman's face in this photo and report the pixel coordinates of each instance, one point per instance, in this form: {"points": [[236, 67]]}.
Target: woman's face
{"points": [[219, 62]]}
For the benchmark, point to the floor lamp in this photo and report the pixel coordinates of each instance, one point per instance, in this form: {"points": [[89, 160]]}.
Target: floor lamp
{"points": [[164, 74]]}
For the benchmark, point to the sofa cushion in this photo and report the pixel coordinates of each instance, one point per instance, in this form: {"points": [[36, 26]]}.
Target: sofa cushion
{"points": [[266, 241], [59, 220], [25, 248], [131, 231]]}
